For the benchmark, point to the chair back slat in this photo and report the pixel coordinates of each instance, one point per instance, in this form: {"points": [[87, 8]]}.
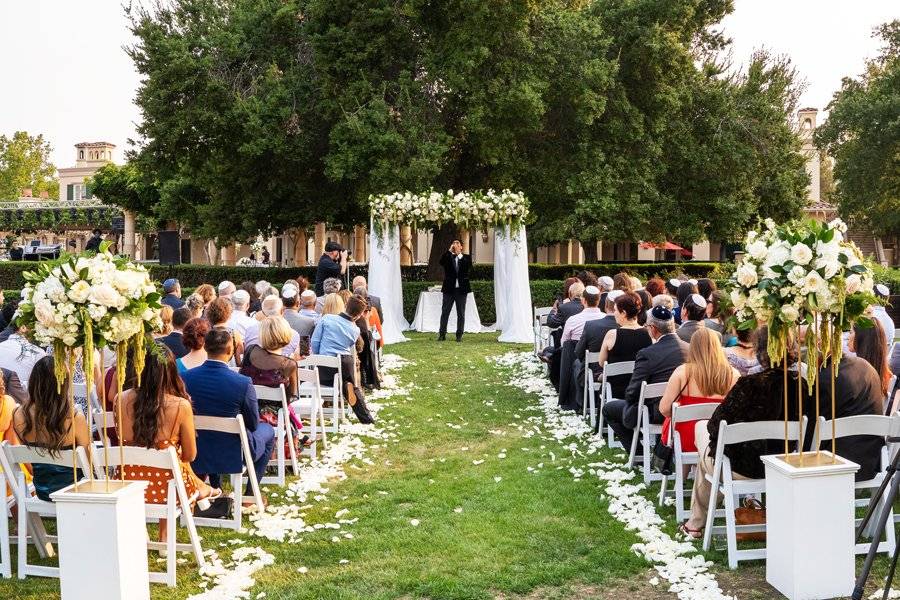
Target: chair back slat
{"points": [[653, 390], [591, 358], [737, 433], [308, 376], [264, 392], [136, 456], [618, 368], [21, 454], [542, 311], [318, 360], [223, 424], [693, 412], [861, 425]]}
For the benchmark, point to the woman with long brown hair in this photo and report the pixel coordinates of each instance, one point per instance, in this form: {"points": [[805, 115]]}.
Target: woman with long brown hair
{"points": [[158, 414], [45, 422], [870, 344], [705, 377]]}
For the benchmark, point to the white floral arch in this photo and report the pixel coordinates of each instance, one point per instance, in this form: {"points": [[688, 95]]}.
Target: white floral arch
{"points": [[504, 211]]}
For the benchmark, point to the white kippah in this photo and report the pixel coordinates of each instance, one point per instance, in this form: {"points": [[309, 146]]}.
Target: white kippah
{"points": [[698, 300], [611, 297], [692, 281], [882, 290], [592, 290], [675, 282], [607, 281], [225, 285], [288, 291], [308, 294]]}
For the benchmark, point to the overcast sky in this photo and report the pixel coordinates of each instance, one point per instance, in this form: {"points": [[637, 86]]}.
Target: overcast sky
{"points": [[65, 74]]}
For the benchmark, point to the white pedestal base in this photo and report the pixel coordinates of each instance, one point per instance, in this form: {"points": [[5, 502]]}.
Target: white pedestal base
{"points": [[809, 528], [102, 541]]}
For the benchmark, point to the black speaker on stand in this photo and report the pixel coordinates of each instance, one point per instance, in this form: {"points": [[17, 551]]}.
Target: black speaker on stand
{"points": [[169, 247]]}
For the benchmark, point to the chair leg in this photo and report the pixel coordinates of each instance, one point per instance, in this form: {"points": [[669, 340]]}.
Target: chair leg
{"points": [[171, 541], [322, 423], [662, 489], [5, 559], [679, 492], [730, 527], [237, 484], [279, 450], [22, 536], [645, 440], [713, 502], [291, 448], [634, 443]]}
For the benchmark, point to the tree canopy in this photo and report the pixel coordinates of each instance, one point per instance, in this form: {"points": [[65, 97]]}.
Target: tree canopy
{"points": [[614, 117], [862, 134], [25, 163]]}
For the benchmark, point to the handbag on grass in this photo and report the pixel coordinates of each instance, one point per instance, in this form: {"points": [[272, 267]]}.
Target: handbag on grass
{"points": [[751, 512], [663, 459]]}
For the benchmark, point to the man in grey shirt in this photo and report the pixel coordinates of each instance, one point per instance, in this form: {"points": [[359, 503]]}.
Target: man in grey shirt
{"points": [[303, 325]]}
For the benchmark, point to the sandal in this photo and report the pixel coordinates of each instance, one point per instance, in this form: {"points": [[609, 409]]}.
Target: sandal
{"points": [[692, 533]]}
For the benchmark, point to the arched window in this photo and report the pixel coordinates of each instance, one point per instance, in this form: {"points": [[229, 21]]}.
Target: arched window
{"points": [[807, 124], [81, 154]]}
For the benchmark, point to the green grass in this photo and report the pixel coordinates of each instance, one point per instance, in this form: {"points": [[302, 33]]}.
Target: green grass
{"points": [[542, 531]]}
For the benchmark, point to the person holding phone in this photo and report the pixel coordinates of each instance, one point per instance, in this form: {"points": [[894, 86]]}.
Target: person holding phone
{"points": [[455, 289]]}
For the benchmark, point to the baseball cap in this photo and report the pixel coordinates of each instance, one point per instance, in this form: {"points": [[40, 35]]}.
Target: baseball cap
{"points": [[169, 284], [332, 246]]}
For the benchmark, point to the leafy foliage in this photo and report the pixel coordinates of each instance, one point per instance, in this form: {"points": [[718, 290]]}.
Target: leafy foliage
{"points": [[863, 135], [25, 163]]}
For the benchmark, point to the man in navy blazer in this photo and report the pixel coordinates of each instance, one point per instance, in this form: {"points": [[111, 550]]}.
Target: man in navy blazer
{"points": [[217, 391]]}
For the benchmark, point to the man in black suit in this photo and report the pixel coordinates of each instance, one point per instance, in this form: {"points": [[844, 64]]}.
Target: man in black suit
{"points": [[456, 288], [653, 364], [173, 341]]}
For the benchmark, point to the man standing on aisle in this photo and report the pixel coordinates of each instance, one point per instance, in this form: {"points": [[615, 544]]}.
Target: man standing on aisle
{"points": [[333, 263], [455, 289]]}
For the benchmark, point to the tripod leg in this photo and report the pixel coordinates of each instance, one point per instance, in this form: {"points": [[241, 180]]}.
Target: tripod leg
{"points": [[890, 577], [882, 521]]}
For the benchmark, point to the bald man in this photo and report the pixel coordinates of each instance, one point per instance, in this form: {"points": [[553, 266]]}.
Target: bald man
{"points": [[361, 287]]}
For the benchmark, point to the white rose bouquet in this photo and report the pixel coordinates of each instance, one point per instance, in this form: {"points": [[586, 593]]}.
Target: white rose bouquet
{"points": [[89, 301], [802, 276]]}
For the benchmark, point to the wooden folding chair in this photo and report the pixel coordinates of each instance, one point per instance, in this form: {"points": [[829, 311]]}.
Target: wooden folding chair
{"points": [[611, 370], [685, 462], [30, 508], [723, 482], [645, 430], [177, 505], [234, 426], [283, 432]]}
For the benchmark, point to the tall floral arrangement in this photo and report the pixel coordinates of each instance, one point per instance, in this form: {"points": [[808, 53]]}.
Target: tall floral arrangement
{"points": [[471, 210], [802, 277], [89, 301]]}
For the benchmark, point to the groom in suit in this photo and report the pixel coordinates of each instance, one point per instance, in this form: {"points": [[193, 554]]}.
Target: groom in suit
{"points": [[456, 288]]}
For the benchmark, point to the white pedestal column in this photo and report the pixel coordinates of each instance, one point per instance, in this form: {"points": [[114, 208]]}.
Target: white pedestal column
{"points": [[810, 527], [102, 541]]}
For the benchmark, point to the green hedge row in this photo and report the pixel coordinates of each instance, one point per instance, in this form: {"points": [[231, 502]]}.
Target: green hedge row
{"points": [[194, 275]]}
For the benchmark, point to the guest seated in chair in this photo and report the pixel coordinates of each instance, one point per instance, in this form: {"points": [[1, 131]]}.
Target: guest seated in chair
{"points": [[570, 304], [158, 414], [569, 397], [693, 313], [622, 343], [653, 364], [45, 422], [194, 338], [217, 391]]}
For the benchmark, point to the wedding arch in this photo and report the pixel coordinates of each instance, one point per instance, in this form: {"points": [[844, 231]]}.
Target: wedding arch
{"points": [[504, 212]]}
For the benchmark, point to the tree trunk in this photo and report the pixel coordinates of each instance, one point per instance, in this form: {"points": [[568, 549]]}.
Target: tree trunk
{"points": [[590, 251], [440, 243]]}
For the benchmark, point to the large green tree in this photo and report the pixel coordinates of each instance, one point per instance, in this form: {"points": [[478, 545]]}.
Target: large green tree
{"points": [[862, 134], [25, 163]]}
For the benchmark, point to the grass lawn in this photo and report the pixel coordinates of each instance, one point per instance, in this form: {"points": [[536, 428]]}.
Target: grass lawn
{"points": [[488, 530]]}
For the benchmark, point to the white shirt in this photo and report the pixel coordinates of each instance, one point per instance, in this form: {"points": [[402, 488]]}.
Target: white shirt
{"points": [[240, 322], [19, 356], [575, 324], [456, 264]]}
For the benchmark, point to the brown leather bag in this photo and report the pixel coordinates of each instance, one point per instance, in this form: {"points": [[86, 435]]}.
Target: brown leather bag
{"points": [[751, 512]]}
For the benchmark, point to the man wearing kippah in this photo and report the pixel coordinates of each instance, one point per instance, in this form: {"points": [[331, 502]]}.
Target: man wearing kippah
{"points": [[173, 294], [880, 314]]}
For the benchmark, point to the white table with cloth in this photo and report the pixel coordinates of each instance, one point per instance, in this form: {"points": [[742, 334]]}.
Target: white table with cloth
{"points": [[428, 313]]}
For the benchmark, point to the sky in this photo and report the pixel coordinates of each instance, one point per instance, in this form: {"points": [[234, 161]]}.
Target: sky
{"points": [[65, 74]]}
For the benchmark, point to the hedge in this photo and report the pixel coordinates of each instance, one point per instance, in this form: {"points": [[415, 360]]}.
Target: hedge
{"points": [[194, 275]]}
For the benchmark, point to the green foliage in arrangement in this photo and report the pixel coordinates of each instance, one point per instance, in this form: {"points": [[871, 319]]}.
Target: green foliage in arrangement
{"points": [[862, 134]]}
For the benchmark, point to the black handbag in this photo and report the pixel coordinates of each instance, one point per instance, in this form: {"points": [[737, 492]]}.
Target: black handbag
{"points": [[663, 459]]}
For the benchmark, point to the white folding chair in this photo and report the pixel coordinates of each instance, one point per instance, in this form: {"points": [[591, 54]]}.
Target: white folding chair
{"points": [[590, 387], [283, 433], [645, 430], [30, 508], [723, 482], [309, 406], [611, 370], [93, 404], [892, 384], [8, 503], [685, 462], [876, 425], [234, 426], [177, 505], [334, 393], [540, 323]]}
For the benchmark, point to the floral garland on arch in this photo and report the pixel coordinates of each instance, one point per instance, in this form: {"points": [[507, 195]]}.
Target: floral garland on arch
{"points": [[802, 276], [90, 301], [471, 210]]}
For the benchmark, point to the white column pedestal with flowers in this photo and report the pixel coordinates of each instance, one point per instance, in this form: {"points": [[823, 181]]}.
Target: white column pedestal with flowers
{"points": [[810, 548], [102, 541], [80, 307]]}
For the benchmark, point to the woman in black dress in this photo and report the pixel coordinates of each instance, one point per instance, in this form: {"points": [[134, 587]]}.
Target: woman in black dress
{"points": [[623, 343]]}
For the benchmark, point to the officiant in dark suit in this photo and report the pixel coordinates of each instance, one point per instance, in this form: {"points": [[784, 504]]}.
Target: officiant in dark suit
{"points": [[455, 289]]}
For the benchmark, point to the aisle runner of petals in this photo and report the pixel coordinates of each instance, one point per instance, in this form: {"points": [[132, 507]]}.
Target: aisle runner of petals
{"points": [[677, 562], [283, 519]]}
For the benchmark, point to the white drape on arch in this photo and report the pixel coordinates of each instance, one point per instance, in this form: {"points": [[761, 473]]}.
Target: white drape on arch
{"points": [[512, 292], [386, 282]]}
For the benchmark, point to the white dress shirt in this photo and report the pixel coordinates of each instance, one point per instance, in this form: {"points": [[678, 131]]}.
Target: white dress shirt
{"points": [[575, 324]]}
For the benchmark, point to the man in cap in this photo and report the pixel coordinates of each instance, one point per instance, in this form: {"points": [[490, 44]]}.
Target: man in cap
{"points": [[173, 294], [879, 313], [308, 305], [332, 264]]}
